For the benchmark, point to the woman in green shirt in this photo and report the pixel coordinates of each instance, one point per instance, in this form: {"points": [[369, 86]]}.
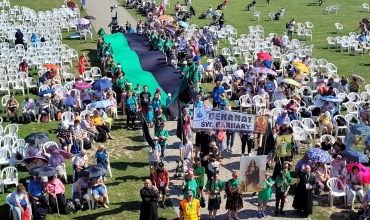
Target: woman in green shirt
{"points": [[163, 135], [234, 200], [199, 172], [282, 184], [264, 196]]}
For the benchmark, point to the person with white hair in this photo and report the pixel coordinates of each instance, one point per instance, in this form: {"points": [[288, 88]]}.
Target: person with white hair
{"points": [[284, 42], [325, 122]]}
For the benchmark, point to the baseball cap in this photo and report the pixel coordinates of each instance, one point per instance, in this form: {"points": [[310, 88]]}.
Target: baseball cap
{"points": [[190, 193], [160, 164]]}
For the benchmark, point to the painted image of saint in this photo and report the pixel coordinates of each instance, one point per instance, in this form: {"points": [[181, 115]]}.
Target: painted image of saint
{"points": [[252, 177], [260, 124]]}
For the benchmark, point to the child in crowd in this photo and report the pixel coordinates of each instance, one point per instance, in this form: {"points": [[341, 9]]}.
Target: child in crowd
{"points": [[150, 116], [220, 139], [264, 196], [168, 100]]}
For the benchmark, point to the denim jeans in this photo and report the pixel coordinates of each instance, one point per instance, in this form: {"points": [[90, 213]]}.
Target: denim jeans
{"points": [[230, 136], [18, 211]]}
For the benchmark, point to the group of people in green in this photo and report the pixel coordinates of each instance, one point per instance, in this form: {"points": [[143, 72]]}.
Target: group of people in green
{"points": [[162, 43], [193, 72]]}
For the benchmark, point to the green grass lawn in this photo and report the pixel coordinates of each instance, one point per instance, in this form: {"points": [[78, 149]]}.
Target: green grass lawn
{"points": [[129, 157]]}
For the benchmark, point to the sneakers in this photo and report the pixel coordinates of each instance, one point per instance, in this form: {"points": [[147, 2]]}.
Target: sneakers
{"points": [[282, 212], [231, 150], [260, 215], [276, 213], [243, 155], [264, 215], [163, 206]]}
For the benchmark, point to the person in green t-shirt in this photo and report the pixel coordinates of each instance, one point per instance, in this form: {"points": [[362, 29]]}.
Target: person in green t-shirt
{"points": [[282, 184], [264, 196], [138, 90], [234, 200], [184, 68], [214, 188], [101, 32], [190, 185], [199, 172], [163, 135]]}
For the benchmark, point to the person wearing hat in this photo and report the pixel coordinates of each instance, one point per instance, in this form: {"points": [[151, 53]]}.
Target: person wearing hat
{"points": [[57, 161], [43, 104], [101, 32], [224, 104], [109, 49], [199, 172], [138, 90], [282, 118], [168, 100], [189, 207], [212, 159], [161, 179], [184, 68], [80, 162], [325, 123], [154, 156], [150, 116], [217, 91]]}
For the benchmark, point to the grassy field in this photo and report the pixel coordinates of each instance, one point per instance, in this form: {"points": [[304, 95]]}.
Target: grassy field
{"points": [[129, 158]]}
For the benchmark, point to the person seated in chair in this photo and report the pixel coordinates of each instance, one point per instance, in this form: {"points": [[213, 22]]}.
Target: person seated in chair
{"points": [[12, 108], [28, 110], [36, 189], [98, 189], [78, 132], [57, 161], [80, 162], [291, 108], [56, 190], [72, 102], [44, 105], [325, 122], [20, 201], [65, 137], [365, 114], [23, 66], [253, 3]]}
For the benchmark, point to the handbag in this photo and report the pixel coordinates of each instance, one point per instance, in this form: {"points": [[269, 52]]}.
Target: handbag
{"points": [[357, 187]]}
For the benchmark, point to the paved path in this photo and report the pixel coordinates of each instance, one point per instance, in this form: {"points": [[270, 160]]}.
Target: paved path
{"points": [[101, 11], [103, 18]]}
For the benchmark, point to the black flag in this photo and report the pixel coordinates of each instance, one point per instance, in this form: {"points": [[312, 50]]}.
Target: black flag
{"points": [[181, 96], [146, 133], [180, 131]]}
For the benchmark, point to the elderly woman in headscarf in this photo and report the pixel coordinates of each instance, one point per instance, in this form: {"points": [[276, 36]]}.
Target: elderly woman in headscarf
{"points": [[19, 37], [57, 161]]}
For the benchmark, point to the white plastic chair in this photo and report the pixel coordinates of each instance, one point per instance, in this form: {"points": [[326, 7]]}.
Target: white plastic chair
{"points": [[245, 102], [256, 15], [5, 157], [11, 177], [296, 124], [331, 138], [46, 145], [337, 127], [11, 130], [4, 87], [30, 84], [258, 103], [91, 198], [96, 72], [68, 117], [22, 151], [309, 126], [332, 184], [8, 143]]}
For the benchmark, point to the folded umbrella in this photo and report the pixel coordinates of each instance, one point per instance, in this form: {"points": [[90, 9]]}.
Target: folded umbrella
{"points": [[42, 171], [319, 155], [37, 138], [46, 91], [264, 56], [360, 129], [82, 86], [101, 84], [101, 104], [90, 17], [355, 156], [292, 82], [301, 66], [364, 171], [93, 171]]}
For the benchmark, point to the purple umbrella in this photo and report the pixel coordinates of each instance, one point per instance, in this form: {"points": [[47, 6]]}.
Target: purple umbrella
{"points": [[258, 70], [29, 159], [83, 21], [82, 86], [269, 71], [64, 153]]}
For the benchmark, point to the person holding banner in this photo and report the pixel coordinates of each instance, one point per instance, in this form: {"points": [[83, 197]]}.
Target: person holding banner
{"points": [[217, 91], [224, 104], [285, 129]]}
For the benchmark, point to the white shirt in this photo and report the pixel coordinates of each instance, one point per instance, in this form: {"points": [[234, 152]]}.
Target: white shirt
{"points": [[226, 79], [320, 82], [292, 27], [30, 105], [279, 96], [208, 66], [239, 74], [80, 160], [156, 153], [188, 148], [284, 40], [40, 103]]}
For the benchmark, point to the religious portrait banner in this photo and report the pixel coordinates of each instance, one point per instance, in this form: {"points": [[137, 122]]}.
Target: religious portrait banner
{"points": [[284, 145], [252, 173]]}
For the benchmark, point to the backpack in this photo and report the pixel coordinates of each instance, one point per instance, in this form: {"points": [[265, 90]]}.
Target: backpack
{"points": [[304, 113], [287, 25], [102, 136], [74, 149], [225, 85], [341, 121], [87, 145], [70, 207], [227, 191], [158, 122]]}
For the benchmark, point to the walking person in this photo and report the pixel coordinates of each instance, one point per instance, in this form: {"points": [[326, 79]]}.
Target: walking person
{"points": [[282, 184], [149, 197], [130, 107], [214, 188], [230, 136], [247, 139], [161, 181], [234, 200], [189, 207], [264, 196]]}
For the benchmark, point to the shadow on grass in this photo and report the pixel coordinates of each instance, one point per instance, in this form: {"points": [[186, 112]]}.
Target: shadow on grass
{"points": [[135, 148], [129, 178], [136, 138], [124, 165]]}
